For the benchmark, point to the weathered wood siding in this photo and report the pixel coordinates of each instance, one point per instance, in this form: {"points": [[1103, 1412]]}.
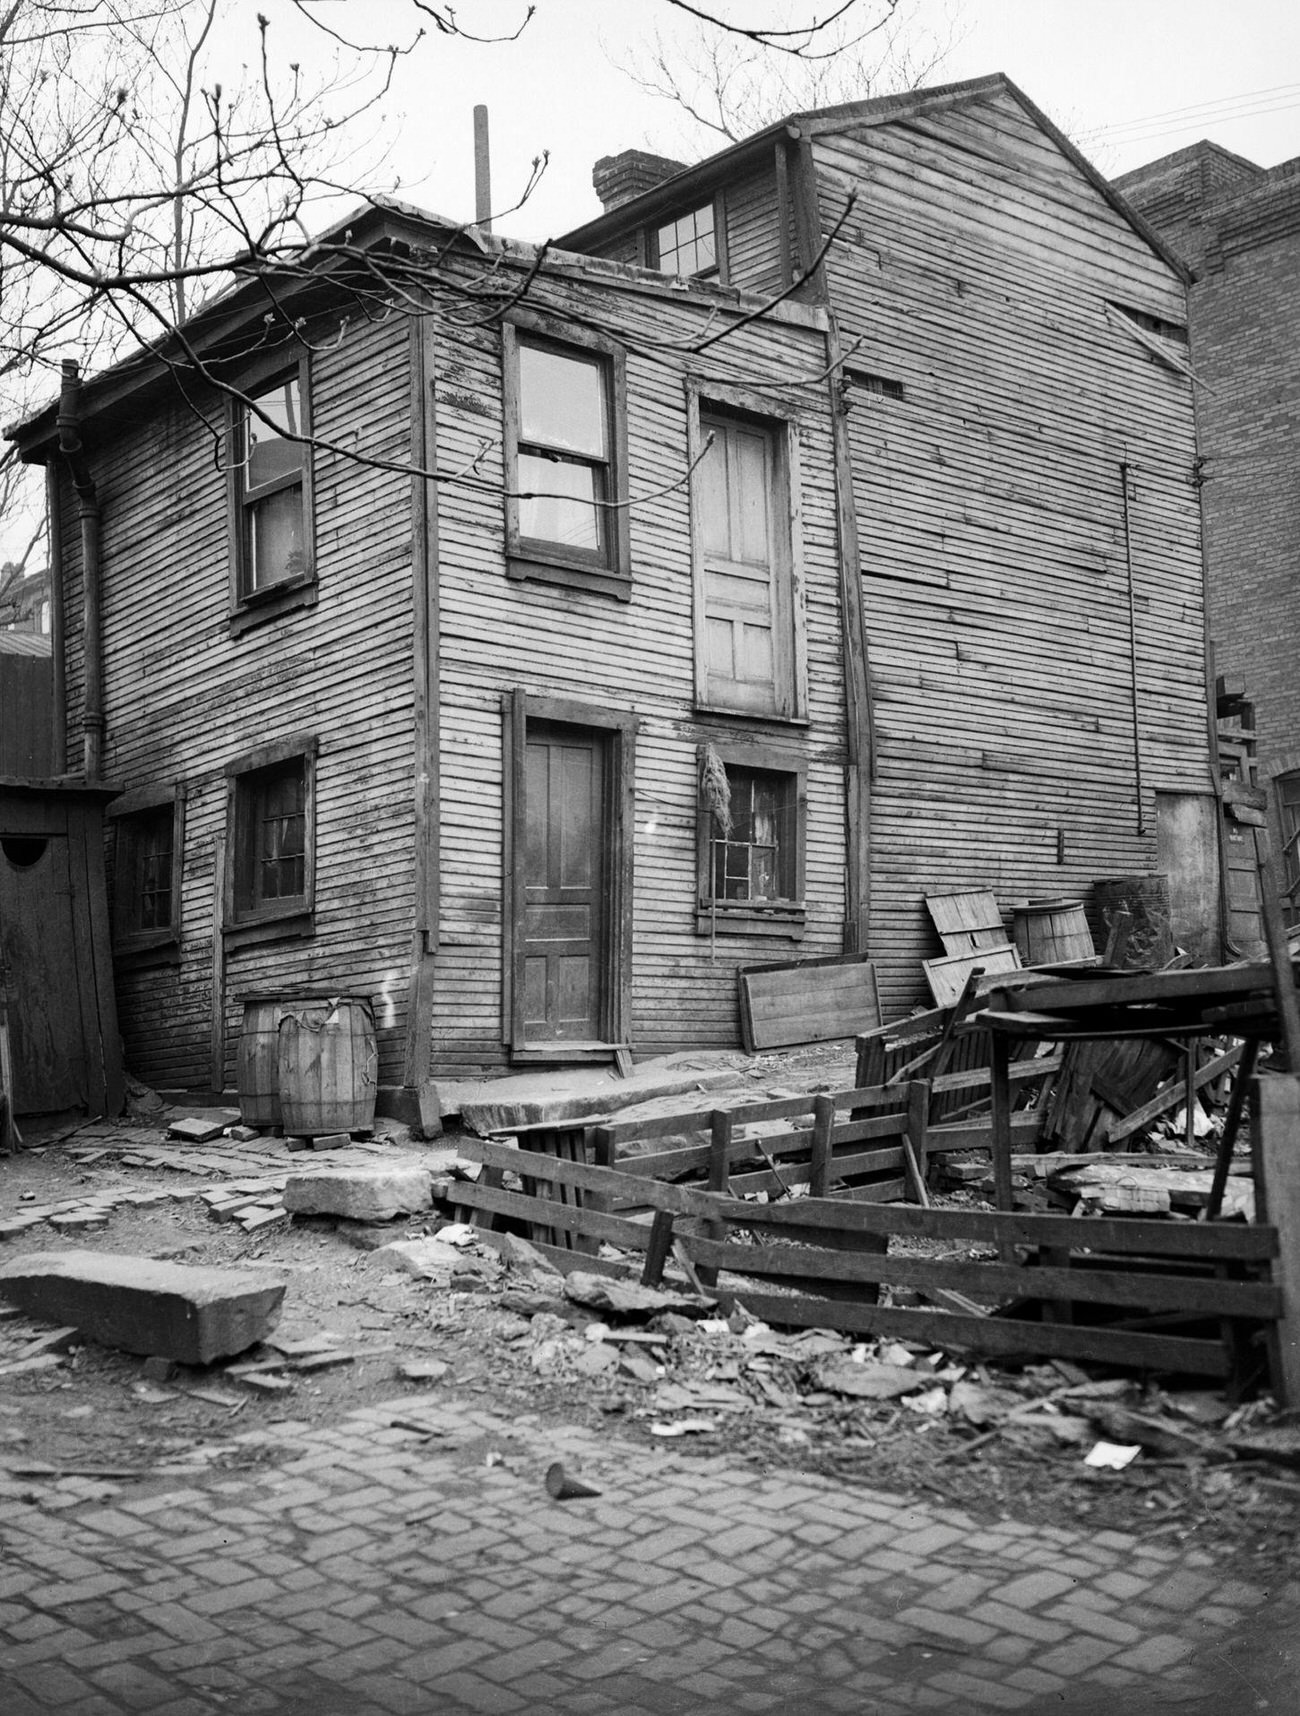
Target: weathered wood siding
{"points": [[976, 270], [753, 234], [183, 697], [637, 656], [26, 713]]}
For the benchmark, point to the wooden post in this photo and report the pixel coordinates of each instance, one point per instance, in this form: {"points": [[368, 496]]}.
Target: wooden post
{"points": [[720, 1129], [1000, 1128], [820, 1170], [1275, 1149], [656, 1253], [1231, 1121], [218, 1043], [1279, 951], [917, 1135]]}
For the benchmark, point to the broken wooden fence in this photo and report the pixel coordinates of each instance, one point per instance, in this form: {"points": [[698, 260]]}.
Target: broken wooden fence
{"points": [[1173, 1296]]}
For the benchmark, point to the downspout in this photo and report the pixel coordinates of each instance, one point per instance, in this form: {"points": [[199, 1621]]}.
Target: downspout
{"points": [[92, 642], [58, 630]]}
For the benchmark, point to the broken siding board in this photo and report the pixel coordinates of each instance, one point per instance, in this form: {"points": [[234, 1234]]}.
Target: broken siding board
{"points": [[811, 1001]]}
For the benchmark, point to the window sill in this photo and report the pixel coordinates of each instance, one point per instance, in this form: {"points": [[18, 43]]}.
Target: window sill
{"points": [[132, 952], [785, 921], [254, 931], [272, 603], [768, 717], [572, 574]]}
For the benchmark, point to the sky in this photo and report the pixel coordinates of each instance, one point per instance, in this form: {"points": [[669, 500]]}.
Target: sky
{"points": [[1129, 80]]}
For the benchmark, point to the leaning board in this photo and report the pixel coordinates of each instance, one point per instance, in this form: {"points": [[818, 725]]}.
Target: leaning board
{"points": [[811, 1001]]}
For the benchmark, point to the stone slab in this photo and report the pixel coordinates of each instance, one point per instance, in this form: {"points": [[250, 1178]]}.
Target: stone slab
{"points": [[175, 1310], [367, 1192], [577, 1093]]}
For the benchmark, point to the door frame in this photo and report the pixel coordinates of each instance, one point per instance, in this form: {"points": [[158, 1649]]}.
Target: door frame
{"points": [[617, 731]]}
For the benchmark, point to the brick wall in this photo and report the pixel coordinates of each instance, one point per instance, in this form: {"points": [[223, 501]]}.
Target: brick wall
{"points": [[1240, 228]]}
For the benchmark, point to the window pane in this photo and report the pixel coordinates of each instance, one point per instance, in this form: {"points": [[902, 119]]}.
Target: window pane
{"points": [[275, 538], [758, 861], [563, 510], [282, 836], [562, 401], [270, 455], [687, 245]]}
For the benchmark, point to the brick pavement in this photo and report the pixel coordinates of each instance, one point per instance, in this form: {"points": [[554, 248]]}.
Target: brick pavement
{"points": [[379, 1570]]}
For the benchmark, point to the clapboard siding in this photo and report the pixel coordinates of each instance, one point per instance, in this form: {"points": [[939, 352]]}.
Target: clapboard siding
{"points": [[991, 520], [636, 657], [754, 234], [183, 697]]}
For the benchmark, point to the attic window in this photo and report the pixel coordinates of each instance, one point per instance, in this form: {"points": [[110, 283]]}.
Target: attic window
{"points": [[1175, 331], [884, 385], [687, 245]]}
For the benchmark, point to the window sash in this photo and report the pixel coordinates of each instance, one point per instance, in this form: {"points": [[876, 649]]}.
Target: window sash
{"points": [[687, 245], [271, 814], [271, 476], [563, 465]]}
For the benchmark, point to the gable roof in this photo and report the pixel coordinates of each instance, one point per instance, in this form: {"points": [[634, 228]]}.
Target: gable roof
{"points": [[856, 115]]}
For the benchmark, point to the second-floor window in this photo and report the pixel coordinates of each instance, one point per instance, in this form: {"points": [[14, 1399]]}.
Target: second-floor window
{"points": [[272, 488], [565, 460]]}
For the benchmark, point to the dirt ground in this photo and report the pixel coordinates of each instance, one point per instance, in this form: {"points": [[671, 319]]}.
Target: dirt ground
{"points": [[97, 1416]]}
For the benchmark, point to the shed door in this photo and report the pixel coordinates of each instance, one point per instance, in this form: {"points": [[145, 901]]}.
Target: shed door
{"points": [[563, 947], [40, 967]]}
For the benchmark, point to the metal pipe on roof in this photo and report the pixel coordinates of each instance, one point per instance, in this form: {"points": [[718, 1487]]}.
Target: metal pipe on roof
{"points": [[482, 170]]}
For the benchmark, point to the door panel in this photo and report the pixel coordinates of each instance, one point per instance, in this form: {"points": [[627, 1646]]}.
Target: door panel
{"points": [[563, 941], [39, 954]]}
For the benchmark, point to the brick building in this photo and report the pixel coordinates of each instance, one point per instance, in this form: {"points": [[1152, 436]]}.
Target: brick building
{"points": [[1238, 225]]}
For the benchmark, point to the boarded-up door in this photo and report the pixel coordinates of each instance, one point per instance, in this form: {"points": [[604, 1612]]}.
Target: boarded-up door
{"points": [[1187, 834], [561, 975]]}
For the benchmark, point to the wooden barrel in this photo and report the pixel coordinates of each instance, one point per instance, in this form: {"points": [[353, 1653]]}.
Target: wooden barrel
{"points": [[328, 1066], [1052, 932], [257, 1065]]}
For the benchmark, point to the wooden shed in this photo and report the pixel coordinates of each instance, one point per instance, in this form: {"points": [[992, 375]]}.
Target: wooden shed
{"points": [[55, 962]]}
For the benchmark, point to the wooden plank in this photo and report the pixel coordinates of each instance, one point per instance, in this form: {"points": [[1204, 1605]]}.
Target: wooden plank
{"points": [[811, 1001], [992, 1283], [1066, 995], [1204, 1240], [1275, 1153], [545, 1212], [994, 1335], [947, 977], [967, 921]]}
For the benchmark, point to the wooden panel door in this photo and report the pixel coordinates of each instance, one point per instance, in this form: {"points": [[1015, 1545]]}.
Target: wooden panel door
{"points": [[746, 595], [564, 940], [39, 957]]}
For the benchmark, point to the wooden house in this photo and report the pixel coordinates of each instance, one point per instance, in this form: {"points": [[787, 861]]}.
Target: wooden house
{"points": [[526, 639]]}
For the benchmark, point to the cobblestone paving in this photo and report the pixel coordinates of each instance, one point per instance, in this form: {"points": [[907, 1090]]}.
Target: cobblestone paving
{"points": [[379, 1570]]}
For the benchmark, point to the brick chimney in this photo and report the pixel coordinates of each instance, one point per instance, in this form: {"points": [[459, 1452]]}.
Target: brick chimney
{"points": [[619, 178]]}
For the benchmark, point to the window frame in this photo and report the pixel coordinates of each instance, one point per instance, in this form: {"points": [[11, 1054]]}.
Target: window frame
{"points": [[789, 704], [532, 557], [718, 273], [250, 607], [785, 918], [291, 916], [132, 942]]}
